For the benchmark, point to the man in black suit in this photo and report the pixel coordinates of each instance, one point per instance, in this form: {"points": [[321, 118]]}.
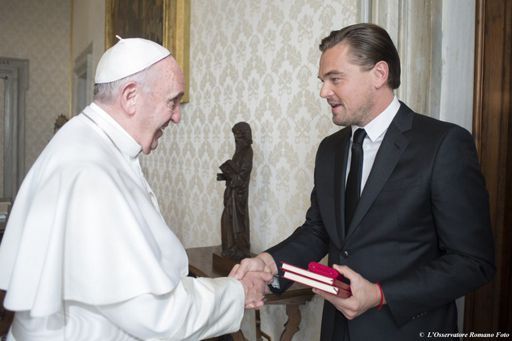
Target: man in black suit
{"points": [[399, 203]]}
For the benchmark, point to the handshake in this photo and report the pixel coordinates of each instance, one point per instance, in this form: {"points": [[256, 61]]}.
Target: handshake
{"points": [[255, 274], [354, 299]]}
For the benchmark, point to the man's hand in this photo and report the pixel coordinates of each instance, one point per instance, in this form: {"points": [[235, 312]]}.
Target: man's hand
{"points": [[261, 263], [255, 288], [365, 295], [255, 274]]}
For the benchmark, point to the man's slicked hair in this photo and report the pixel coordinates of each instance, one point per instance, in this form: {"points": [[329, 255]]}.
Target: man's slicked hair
{"points": [[369, 44]]}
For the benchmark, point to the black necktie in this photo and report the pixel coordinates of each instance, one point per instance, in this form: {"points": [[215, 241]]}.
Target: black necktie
{"points": [[353, 188]]}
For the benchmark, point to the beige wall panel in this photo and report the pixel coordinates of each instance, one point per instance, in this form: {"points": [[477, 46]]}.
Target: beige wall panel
{"points": [[39, 31]]}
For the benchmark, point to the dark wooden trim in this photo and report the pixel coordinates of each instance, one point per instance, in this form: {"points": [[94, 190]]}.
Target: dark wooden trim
{"points": [[490, 308], [6, 317], [478, 78]]}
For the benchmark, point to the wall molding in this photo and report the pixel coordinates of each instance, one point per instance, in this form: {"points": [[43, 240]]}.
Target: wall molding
{"points": [[14, 73]]}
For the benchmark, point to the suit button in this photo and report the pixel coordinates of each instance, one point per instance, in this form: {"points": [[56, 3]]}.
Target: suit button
{"points": [[346, 254]]}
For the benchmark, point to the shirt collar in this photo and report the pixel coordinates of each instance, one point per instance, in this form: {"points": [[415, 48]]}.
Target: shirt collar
{"points": [[378, 126], [119, 137]]}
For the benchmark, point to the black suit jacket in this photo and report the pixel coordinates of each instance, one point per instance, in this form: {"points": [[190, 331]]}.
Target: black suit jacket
{"points": [[421, 228]]}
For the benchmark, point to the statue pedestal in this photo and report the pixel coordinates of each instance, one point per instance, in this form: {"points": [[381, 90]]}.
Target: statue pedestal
{"points": [[222, 264]]}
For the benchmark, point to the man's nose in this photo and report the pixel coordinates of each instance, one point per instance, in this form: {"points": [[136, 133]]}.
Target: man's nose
{"points": [[325, 90]]}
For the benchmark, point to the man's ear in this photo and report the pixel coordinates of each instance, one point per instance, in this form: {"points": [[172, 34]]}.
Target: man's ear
{"points": [[129, 94], [381, 74]]}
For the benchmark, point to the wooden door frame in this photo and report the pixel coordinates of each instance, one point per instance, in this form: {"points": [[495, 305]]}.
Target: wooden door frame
{"points": [[489, 309]]}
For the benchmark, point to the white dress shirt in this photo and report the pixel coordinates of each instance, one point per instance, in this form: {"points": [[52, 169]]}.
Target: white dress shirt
{"points": [[375, 131]]}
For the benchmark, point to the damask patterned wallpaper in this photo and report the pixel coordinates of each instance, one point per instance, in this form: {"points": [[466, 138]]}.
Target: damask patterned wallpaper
{"points": [[2, 113], [39, 31], [254, 61]]}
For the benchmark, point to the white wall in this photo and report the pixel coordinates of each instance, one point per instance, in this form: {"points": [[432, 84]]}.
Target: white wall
{"points": [[458, 62], [2, 125], [88, 20], [39, 31], [458, 45]]}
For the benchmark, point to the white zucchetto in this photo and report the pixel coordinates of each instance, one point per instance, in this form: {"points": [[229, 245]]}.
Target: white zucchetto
{"points": [[128, 57]]}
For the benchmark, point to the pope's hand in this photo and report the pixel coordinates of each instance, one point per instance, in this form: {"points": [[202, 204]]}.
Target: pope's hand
{"points": [[255, 274], [255, 287], [365, 294]]}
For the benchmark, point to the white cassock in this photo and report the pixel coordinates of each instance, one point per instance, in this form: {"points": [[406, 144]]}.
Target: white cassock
{"points": [[87, 255]]}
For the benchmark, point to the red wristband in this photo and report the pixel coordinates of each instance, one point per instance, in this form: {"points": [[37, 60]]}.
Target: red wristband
{"points": [[381, 302]]}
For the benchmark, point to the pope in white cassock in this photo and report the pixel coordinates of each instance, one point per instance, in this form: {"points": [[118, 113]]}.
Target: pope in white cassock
{"points": [[86, 254]]}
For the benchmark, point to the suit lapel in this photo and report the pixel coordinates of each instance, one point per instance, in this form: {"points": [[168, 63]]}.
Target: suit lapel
{"points": [[390, 151]]}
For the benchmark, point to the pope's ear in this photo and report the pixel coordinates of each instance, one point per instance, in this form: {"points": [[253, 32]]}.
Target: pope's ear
{"points": [[128, 98]]}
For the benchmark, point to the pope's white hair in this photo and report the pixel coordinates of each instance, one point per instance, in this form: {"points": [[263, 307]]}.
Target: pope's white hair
{"points": [[107, 92]]}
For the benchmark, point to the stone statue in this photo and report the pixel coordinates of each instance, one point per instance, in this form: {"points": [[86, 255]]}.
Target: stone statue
{"points": [[235, 217], [59, 122]]}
